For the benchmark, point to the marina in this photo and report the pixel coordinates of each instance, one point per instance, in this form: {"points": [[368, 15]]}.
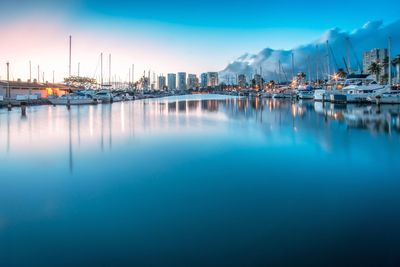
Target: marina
{"points": [[296, 171], [199, 134]]}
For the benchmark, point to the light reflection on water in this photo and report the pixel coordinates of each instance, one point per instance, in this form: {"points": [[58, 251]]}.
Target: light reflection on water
{"points": [[200, 180]]}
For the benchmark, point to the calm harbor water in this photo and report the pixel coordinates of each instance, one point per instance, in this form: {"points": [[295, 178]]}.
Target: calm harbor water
{"points": [[200, 181]]}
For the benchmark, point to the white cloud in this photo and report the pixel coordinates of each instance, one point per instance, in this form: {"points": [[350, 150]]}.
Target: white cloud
{"points": [[373, 34]]}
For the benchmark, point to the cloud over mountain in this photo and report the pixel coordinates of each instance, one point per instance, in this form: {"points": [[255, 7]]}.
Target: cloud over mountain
{"points": [[373, 34]]}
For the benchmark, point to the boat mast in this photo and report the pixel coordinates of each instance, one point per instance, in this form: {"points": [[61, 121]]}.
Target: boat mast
{"points": [[133, 73], [109, 70], [327, 59], [101, 70], [292, 65], [70, 55], [70, 60], [30, 71], [279, 72], [30, 79], [348, 54], [317, 64], [309, 69], [390, 60], [129, 78]]}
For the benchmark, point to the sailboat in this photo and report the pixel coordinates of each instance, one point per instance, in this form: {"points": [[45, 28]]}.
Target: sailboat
{"points": [[72, 98], [104, 94]]}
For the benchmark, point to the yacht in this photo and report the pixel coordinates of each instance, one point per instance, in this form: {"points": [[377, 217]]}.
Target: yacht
{"points": [[305, 92], [362, 93], [358, 89], [104, 96], [390, 97], [284, 92], [73, 99], [322, 95]]}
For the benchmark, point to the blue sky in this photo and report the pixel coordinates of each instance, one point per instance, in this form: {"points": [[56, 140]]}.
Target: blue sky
{"points": [[196, 36]]}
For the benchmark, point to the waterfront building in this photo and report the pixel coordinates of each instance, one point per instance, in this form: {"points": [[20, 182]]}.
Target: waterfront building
{"points": [[212, 79], [192, 81], [161, 82], [171, 81], [203, 80], [182, 81], [378, 56], [40, 90], [242, 81]]}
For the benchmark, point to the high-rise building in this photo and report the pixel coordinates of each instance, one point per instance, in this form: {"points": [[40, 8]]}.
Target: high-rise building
{"points": [[161, 82], [182, 81], [203, 80], [212, 79], [378, 56], [242, 80], [171, 81], [192, 81]]}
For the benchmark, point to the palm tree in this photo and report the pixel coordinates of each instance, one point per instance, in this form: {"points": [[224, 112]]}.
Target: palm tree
{"points": [[301, 76], [271, 84], [375, 68], [341, 73]]}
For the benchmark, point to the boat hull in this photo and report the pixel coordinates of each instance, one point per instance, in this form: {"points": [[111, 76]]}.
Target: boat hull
{"points": [[58, 101]]}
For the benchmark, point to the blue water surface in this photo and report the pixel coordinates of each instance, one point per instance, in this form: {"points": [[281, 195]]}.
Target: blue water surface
{"points": [[200, 181]]}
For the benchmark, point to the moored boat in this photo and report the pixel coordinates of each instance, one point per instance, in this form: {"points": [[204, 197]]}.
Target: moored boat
{"points": [[73, 99], [104, 96], [390, 97], [305, 94]]}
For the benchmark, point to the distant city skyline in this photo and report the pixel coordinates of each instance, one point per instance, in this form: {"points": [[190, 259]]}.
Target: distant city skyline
{"points": [[167, 37]]}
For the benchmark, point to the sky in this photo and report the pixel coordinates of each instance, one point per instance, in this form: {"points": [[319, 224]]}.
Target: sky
{"points": [[164, 36]]}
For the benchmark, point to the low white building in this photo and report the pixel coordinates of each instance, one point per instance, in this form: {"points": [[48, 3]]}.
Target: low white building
{"points": [[19, 89]]}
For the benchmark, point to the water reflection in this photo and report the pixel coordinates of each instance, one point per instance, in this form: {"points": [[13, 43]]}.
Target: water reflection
{"points": [[146, 180], [83, 125]]}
